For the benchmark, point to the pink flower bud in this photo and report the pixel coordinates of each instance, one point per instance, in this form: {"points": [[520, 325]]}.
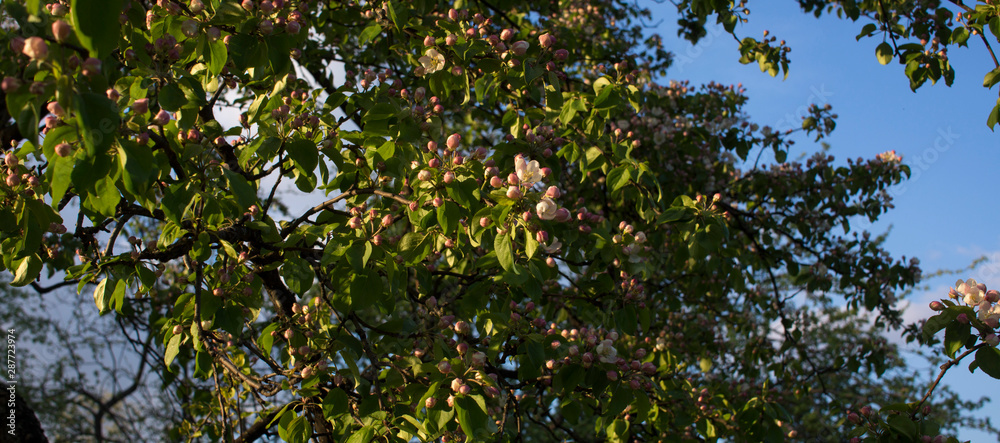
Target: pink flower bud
{"points": [[552, 192], [962, 318], [248, 5], [190, 28], [429, 40], [91, 66], [437, 202], [506, 34], [542, 236], [465, 390], [60, 30], [520, 47], [937, 306], [36, 48], [453, 141], [991, 340], [10, 159], [496, 182], [462, 348], [293, 28], [451, 39], [162, 118], [563, 215], [546, 40], [17, 44], [612, 375], [354, 223], [513, 179], [387, 220], [266, 27], [444, 367], [484, 222], [449, 177], [561, 54], [992, 296], [63, 149], [430, 402], [434, 163], [424, 175], [10, 84], [514, 193], [56, 109]]}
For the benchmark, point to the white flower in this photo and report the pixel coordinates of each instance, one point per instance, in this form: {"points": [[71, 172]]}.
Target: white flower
{"points": [[546, 209], [432, 61], [527, 172], [971, 290], [606, 350], [889, 157], [553, 246]]}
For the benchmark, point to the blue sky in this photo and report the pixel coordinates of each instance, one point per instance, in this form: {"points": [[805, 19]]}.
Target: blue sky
{"points": [[945, 214]]}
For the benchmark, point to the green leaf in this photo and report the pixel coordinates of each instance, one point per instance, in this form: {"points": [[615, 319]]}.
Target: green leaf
{"points": [[305, 155], [245, 194], [370, 33], [448, 215], [502, 246], [335, 404], [902, 424], [27, 271], [620, 399], [937, 323], [265, 341], [363, 435], [955, 336], [173, 348], [98, 120], [988, 358], [883, 53], [994, 116], [171, 98], [618, 177], [96, 24], [471, 416], [991, 78], [216, 55], [866, 31], [105, 198], [297, 273]]}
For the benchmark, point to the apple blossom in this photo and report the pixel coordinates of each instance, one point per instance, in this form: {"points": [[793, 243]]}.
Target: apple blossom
{"points": [[519, 48], [546, 209], [972, 293], [527, 172], [432, 61]]}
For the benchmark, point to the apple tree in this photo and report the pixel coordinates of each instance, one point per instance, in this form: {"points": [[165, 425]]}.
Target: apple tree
{"points": [[455, 221]]}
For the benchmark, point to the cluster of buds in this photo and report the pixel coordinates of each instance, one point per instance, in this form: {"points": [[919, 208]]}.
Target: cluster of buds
{"points": [[985, 303]]}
